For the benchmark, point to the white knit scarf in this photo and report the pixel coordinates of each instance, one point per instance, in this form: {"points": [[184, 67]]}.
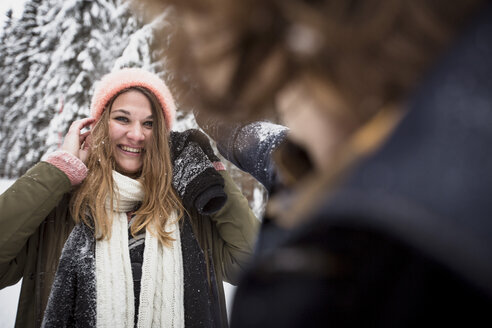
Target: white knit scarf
{"points": [[161, 295]]}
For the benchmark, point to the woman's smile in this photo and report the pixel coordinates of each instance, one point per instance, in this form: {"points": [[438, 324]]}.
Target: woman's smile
{"points": [[131, 151]]}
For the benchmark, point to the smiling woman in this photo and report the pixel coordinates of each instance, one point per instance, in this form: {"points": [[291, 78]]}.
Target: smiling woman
{"points": [[156, 216]]}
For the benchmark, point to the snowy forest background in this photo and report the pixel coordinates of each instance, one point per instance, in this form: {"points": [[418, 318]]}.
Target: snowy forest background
{"points": [[50, 58], [51, 55]]}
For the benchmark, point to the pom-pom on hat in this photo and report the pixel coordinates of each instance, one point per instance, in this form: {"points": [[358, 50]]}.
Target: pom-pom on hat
{"points": [[116, 81]]}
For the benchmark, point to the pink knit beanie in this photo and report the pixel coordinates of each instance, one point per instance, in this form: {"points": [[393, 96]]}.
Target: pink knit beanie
{"points": [[114, 82]]}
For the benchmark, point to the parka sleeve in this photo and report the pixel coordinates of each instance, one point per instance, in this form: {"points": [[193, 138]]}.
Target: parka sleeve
{"points": [[237, 228], [23, 207]]}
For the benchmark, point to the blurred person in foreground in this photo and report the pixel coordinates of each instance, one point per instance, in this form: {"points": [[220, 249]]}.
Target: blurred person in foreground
{"points": [[379, 211]]}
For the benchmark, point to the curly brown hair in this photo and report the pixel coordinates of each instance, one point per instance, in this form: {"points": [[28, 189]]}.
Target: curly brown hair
{"points": [[232, 57]]}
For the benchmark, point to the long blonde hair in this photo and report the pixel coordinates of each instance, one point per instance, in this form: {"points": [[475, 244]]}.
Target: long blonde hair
{"points": [[160, 199]]}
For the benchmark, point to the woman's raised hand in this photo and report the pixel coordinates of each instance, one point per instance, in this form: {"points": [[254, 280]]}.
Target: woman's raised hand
{"points": [[75, 142]]}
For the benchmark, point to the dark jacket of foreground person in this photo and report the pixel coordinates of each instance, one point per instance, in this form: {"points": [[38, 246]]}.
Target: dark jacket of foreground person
{"points": [[406, 240]]}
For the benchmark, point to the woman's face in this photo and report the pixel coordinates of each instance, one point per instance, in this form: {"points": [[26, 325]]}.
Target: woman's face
{"points": [[130, 130]]}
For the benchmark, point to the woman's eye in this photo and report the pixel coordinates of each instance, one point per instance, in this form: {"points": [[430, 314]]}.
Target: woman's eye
{"points": [[122, 119], [148, 124]]}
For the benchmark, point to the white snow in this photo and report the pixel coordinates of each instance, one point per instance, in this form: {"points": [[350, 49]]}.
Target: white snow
{"points": [[259, 201], [264, 130], [9, 296], [229, 291], [4, 184], [16, 5]]}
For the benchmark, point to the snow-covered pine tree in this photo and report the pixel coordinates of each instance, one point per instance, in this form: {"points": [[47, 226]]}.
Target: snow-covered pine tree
{"points": [[92, 44], [3, 58], [15, 70], [54, 53]]}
